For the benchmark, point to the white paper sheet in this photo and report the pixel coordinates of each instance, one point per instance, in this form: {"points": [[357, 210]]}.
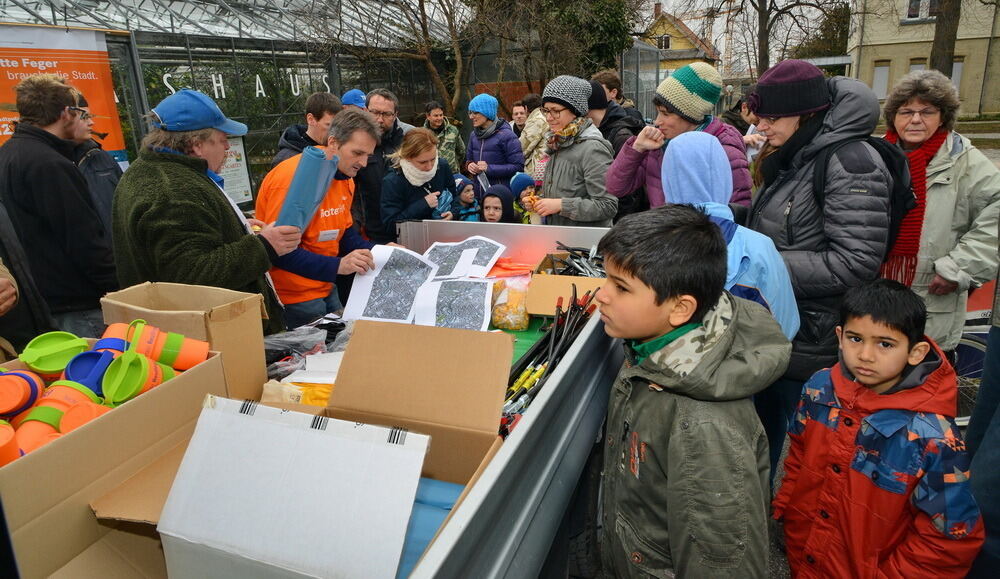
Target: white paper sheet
{"points": [[452, 261], [459, 303], [388, 292]]}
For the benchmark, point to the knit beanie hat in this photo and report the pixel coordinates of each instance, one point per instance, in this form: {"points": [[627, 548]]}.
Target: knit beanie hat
{"points": [[691, 91], [790, 88], [461, 181], [519, 182], [598, 98], [570, 92], [485, 105]]}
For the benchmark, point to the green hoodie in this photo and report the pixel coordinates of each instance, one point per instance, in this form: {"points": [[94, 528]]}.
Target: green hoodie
{"points": [[685, 486]]}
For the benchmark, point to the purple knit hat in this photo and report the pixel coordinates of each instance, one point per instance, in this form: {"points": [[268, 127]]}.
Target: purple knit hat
{"points": [[790, 88]]}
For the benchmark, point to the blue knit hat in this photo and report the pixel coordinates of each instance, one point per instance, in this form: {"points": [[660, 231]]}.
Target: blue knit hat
{"points": [[485, 105], [519, 182], [354, 97], [461, 181]]}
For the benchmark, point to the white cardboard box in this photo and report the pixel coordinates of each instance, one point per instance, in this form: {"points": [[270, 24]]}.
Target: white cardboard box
{"points": [[291, 495]]}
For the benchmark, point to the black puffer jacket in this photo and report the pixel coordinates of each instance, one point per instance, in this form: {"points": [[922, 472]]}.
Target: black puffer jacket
{"points": [[366, 209], [837, 246], [50, 207], [618, 126], [291, 143]]}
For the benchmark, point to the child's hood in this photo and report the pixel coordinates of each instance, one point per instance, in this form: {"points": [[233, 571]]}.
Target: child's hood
{"points": [[737, 351], [506, 202], [696, 170], [928, 387]]}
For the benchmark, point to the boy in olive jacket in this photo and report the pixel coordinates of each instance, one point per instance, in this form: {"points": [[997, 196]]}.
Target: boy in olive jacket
{"points": [[685, 482]]}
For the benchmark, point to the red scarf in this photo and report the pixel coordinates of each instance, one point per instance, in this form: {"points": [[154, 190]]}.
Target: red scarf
{"points": [[901, 262]]}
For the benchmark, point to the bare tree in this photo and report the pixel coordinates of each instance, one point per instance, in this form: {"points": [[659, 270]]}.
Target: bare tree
{"points": [[945, 34], [774, 25], [417, 30]]}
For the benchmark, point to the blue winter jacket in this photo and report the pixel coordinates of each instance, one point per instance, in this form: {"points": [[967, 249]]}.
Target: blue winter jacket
{"points": [[402, 201], [502, 153], [696, 170]]}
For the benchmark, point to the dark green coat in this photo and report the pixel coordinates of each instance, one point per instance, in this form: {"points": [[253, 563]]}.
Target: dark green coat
{"points": [[171, 223], [685, 485]]}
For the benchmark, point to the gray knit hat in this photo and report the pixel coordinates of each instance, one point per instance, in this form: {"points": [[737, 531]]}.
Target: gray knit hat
{"points": [[570, 92]]}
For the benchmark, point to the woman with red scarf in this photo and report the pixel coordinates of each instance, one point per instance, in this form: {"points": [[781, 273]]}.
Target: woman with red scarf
{"points": [[947, 244]]}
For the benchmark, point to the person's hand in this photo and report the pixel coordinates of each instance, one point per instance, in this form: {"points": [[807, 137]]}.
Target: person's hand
{"points": [[754, 140], [283, 238], [256, 224], [482, 166], [432, 199], [941, 287], [546, 207], [446, 216], [473, 168], [358, 261], [8, 295], [649, 138], [393, 244]]}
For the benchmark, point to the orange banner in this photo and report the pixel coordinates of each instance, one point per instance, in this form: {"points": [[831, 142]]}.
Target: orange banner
{"points": [[26, 50]]}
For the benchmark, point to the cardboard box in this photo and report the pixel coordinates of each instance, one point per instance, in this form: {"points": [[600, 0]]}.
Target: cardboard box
{"points": [[229, 320], [392, 375], [46, 495], [292, 496], [546, 288]]}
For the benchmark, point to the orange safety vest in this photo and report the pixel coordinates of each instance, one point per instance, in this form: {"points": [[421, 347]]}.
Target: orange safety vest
{"points": [[322, 235]]}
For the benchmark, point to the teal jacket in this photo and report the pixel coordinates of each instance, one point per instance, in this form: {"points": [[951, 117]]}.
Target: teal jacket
{"points": [[685, 483], [172, 223]]}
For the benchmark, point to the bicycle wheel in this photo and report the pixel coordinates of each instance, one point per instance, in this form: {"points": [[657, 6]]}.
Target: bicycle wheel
{"points": [[970, 354]]}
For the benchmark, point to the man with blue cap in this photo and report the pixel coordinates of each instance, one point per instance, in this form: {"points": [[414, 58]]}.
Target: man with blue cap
{"points": [[355, 98], [172, 220]]}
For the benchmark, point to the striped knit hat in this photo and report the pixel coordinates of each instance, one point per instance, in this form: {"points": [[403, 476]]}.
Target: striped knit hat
{"points": [[691, 91], [570, 92]]}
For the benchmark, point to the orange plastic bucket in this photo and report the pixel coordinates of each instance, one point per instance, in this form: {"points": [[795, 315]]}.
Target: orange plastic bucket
{"points": [[9, 451], [80, 414], [37, 428], [132, 374], [169, 348], [18, 392], [70, 392]]}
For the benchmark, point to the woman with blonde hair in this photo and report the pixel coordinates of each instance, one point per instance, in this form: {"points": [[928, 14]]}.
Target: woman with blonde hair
{"points": [[421, 185], [947, 244]]}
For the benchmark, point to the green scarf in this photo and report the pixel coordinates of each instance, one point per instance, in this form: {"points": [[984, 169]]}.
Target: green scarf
{"points": [[643, 350]]}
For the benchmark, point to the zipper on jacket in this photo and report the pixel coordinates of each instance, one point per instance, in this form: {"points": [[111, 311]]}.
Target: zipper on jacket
{"points": [[788, 222]]}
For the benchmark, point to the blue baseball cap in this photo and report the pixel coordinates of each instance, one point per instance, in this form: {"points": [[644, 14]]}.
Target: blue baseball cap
{"points": [[190, 110], [354, 97]]}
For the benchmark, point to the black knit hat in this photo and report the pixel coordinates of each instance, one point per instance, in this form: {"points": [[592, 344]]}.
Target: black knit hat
{"points": [[598, 98], [790, 88]]}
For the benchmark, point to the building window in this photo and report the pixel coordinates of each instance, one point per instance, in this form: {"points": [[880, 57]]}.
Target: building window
{"points": [[918, 64], [663, 42], [956, 73], [921, 9], [880, 80]]}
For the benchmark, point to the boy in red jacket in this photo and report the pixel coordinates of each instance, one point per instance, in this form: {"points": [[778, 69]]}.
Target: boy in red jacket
{"points": [[877, 478]]}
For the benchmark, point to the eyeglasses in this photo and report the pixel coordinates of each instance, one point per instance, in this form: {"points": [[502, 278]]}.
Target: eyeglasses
{"points": [[552, 112], [925, 113], [383, 114], [84, 114]]}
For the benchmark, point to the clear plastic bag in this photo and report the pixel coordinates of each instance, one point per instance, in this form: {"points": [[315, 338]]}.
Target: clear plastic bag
{"points": [[286, 352], [510, 308]]}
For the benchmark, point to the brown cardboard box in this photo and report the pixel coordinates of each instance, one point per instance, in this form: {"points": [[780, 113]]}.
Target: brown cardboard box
{"points": [[46, 495], [545, 288], [229, 320], [392, 375]]}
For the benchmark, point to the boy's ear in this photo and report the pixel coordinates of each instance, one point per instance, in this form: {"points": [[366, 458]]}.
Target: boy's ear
{"points": [[840, 333], [917, 353], [684, 307]]}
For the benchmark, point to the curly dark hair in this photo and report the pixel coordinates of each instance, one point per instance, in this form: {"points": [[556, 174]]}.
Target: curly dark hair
{"points": [[929, 86]]}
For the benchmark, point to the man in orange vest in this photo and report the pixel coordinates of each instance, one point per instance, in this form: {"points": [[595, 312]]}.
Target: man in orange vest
{"points": [[330, 244]]}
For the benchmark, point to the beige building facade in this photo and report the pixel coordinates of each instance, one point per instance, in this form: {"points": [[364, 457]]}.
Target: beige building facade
{"points": [[889, 38]]}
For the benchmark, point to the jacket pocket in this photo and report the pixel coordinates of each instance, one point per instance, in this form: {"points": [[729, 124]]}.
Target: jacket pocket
{"points": [[642, 558]]}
